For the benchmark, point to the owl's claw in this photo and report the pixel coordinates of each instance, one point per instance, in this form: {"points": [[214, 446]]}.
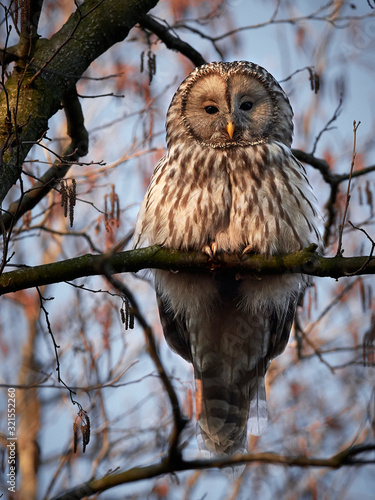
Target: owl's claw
{"points": [[210, 249], [247, 249]]}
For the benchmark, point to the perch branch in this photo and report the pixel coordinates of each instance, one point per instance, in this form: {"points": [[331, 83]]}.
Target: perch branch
{"points": [[306, 261]]}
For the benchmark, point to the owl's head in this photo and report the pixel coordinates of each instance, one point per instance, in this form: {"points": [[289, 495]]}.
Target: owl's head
{"points": [[224, 105]]}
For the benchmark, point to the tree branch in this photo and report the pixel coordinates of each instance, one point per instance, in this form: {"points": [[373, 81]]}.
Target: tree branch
{"points": [[323, 167], [341, 226], [306, 261], [29, 102], [30, 14], [317, 163], [343, 458], [77, 147], [179, 422], [334, 181], [171, 41]]}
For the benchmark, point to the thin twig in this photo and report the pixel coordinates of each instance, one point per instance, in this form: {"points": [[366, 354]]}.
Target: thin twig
{"points": [[77, 147], [110, 94], [308, 68], [327, 127], [56, 348], [341, 226], [336, 300], [313, 346], [318, 15], [371, 251]]}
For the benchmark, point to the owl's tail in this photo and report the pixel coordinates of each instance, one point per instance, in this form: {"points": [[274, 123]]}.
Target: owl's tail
{"points": [[227, 411]]}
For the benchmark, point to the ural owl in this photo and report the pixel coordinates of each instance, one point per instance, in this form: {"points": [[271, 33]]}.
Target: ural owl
{"points": [[228, 184]]}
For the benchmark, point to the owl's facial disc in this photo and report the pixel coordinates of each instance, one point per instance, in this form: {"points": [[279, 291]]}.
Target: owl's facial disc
{"points": [[228, 111]]}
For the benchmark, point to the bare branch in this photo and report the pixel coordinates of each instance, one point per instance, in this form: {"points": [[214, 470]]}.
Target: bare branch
{"points": [[178, 419], [323, 14], [369, 238], [334, 181], [171, 41], [81, 17], [57, 57], [342, 458], [328, 127], [30, 14]]}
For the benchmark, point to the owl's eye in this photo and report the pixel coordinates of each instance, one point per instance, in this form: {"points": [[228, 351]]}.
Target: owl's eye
{"points": [[245, 106], [211, 110]]}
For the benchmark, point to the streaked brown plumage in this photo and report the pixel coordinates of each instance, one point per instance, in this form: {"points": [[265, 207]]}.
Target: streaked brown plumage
{"points": [[228, 183]]}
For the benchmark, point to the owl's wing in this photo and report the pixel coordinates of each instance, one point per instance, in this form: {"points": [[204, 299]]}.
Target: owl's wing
{"points": [[175, 331], [143, 233], [280, 326]]}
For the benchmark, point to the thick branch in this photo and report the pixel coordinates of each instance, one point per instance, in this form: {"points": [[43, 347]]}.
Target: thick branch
{"points": [[306, 261], [8, 55], [30, 14]]}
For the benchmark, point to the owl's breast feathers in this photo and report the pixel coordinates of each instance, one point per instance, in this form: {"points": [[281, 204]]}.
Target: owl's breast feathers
{"points": [[256, 197]]}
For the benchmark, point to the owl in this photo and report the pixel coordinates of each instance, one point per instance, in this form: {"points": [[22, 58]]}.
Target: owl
{"points": [[228, 184]]}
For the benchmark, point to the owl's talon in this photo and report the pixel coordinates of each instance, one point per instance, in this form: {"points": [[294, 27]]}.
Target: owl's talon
{"points": [[248, 249], [211, 249], [207, 250]]}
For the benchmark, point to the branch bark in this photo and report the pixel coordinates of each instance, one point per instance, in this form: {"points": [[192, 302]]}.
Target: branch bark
{"points": [[306, 261]]}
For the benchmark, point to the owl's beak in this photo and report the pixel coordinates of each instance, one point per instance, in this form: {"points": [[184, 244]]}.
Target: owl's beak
{"points": [[230, 129]]}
